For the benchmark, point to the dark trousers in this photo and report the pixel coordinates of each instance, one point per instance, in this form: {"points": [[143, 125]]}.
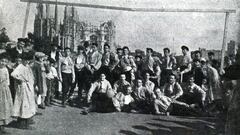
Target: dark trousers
{"points": [[66, 85], [192, 99], [51, 86], [102, 103], [79, 81], [115, 74], [164, 76]]}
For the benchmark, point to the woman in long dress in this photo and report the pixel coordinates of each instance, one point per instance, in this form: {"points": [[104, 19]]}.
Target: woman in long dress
{"points": [[24, 105], [5, 96]]}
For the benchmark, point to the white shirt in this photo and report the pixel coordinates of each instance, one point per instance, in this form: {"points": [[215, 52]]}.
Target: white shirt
{"points": [[52, 73], [53, 55]]}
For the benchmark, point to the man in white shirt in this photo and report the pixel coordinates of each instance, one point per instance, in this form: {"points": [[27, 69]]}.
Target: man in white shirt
{"points": [[66, 74], [185, 64], [79, 64], [147, 83], [168, 63], [101, 95], [127, 63]]}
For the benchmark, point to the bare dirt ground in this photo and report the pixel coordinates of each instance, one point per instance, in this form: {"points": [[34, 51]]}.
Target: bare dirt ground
{"points": [[57, 120]]}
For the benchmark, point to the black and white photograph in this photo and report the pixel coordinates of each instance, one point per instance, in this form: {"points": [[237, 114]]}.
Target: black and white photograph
{"points": [[119, 67]]}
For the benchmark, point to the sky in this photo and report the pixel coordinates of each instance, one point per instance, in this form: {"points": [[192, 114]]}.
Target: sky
{"points": [[141, 29]]}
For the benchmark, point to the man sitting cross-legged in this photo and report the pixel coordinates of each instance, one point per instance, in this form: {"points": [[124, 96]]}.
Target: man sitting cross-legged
{"points": [[120, 85], [100, 94], [143, 98], [123, 101], [193, 94], [174, 91]]}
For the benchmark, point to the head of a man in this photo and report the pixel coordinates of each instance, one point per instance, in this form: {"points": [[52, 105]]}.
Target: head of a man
{"points": [[158, 93], [197, 55], [80, 49], [119, 52], [185, 50], [166, 51], [106, 48], [191, 80], [20, 43], [139, 83], [211, 55], [197, 63], [149, 52], [147, 76], [172, 79], [18, 60], [67, 51], [122, 77], [128, 89], [102, 77], [94, 47], [125, 50]]}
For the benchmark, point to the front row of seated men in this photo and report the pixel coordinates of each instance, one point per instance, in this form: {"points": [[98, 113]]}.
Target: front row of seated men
{"points": [[173, 98]]}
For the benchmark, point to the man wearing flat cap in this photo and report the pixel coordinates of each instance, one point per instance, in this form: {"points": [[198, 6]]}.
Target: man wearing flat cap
{"points": [[185, 64], [39, 72]]}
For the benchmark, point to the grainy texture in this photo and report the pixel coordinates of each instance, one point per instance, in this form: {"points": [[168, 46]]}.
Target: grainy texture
{"points": [[69, 121]]}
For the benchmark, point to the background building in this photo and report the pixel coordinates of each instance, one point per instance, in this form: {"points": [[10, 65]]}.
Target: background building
{"points": [[71, 31]]}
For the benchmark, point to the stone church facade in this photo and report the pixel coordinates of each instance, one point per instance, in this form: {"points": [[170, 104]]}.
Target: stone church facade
{"points": [[71, 31]]}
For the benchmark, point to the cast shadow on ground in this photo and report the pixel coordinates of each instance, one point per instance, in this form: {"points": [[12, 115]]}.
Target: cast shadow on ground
{"points": [[194, 126], [126, 132]]}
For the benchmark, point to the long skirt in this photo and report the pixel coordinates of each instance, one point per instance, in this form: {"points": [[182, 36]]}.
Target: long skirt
{"points": [[24, 103], [5, 105]]}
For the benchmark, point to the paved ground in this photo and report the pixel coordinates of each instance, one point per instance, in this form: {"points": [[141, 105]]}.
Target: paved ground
{"points": [[69, 121]]}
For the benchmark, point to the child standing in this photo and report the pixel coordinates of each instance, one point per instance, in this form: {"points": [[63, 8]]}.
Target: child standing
{"points": [[5, 95], [39, 71], [52, 81]]}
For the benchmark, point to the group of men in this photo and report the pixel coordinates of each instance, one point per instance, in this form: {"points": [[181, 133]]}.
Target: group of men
{"points": [[118, 81], [149, 84]]}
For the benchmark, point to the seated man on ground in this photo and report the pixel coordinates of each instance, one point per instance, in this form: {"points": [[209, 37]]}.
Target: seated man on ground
{"points": [[100, 94], [120, 85], [147, 83], [123, 101], [161, 103], [172, 89], [193, 94], [143, 98], [164, 105]]}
